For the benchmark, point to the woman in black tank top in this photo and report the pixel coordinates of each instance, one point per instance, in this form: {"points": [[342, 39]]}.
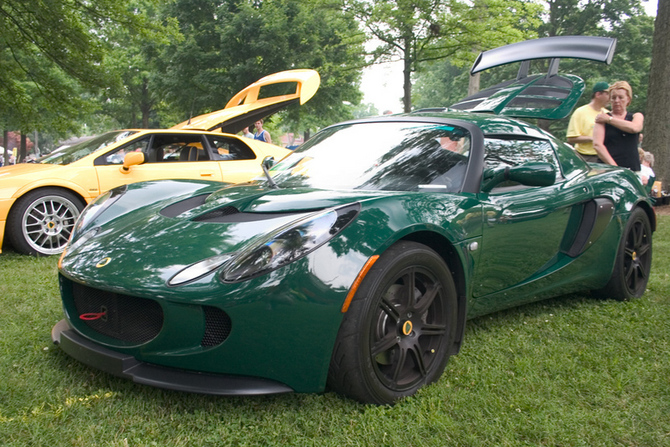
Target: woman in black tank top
{"points": [[616, 134]]}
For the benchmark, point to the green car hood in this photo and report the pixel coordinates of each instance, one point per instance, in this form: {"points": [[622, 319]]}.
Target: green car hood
{"points": [[159, 228]]}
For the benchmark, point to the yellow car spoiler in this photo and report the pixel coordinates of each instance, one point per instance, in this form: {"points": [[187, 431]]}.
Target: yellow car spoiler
{"points": [[247, 106]]}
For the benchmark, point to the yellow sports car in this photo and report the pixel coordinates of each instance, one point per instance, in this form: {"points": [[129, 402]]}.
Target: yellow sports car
{"points": [[40, 202]]}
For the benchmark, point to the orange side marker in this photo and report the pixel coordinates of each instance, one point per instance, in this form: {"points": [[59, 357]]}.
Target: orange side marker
{"points": [[358, 281]]}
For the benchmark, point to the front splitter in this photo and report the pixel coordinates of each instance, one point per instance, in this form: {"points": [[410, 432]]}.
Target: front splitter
{"points": [[128, 367]]}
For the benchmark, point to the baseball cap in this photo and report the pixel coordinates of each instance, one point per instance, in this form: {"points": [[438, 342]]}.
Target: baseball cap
{"points": [[600, 86]]}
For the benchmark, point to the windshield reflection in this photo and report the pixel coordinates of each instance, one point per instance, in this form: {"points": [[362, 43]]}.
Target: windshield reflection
{"points": [[389, 156], [70, 154]]}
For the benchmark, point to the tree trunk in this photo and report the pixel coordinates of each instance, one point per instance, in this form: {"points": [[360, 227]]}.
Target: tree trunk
{"points": [[5, 140], [22, 148], [656, 129], [146, 104], [407, 86]]}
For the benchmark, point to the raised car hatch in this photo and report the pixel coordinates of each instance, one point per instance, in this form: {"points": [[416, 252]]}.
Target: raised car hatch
{"points": [[258, 100], [547, 96]]}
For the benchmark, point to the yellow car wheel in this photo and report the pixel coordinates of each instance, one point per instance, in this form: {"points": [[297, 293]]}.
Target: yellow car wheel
{"points": [[41, 221]]}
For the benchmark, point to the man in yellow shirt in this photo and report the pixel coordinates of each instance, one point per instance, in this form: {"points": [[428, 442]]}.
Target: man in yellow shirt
{"points": [[580, 128]]}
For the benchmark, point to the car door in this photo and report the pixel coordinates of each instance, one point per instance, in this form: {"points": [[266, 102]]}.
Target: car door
{"points": [[237, 160], [167, 155], [523, 226]]}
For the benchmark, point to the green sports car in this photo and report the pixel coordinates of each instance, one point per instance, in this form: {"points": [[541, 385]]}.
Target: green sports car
{"points": [[355, 262]]}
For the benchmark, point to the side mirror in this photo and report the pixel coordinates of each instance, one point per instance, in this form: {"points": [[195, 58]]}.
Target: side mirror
{"points": [[529, 174], [268, 162], [131, 159]]}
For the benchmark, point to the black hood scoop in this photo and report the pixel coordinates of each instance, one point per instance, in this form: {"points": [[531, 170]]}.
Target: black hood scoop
{"points": [[230, 214], [176, 209], [225, 214]]}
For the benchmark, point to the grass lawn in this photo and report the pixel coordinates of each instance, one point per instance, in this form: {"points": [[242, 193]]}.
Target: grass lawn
{"points": [[572, 371]]}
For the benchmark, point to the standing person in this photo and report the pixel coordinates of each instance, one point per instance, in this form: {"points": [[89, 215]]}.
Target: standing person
{"points": [[261, 134], [646, 164], [616, 134], [582, 121], [246, 133]]}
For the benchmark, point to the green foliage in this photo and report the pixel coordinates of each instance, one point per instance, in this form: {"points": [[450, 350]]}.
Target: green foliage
{"points": [[53, 51], [593, 17], [365, 110], [572, 371], [440, 84], [85, 67], [230, 44], [136, 99], [418, 31]]}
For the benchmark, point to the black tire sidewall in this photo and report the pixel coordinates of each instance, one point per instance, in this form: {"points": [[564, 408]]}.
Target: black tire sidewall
{"points": [[617, 288], [362, 311]]}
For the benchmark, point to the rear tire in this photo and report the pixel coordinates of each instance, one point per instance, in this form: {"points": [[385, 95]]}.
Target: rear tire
{"points": [[397, 334], [633, 261], [41, 221]]}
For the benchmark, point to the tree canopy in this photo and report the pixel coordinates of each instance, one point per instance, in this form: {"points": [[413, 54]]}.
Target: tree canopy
{"points": [[52, 52], [419, 31], [150, 63]]}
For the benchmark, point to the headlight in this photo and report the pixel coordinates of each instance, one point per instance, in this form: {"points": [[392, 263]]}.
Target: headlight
{"points": [[78, 241], [95, 208], [199, 269], [289, 243]]}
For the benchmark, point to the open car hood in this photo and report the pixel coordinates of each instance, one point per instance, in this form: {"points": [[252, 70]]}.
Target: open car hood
{"points": [[547, 96], [258, 100]]}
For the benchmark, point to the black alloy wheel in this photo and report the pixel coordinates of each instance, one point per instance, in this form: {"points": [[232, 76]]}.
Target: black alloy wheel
{"points": [[396, 336], [633, 262]]}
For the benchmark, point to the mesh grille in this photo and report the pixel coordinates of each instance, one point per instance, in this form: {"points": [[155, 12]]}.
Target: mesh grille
{"points": [[123, 317], [217, 326]]}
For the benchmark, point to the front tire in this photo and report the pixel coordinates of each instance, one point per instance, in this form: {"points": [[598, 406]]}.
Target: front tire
{"points": [[41, 221], [633, 261], [397, 334]]}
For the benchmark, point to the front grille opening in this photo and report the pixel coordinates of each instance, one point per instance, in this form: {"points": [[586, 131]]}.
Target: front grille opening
{"points": [[122, 317], [217, 327]]}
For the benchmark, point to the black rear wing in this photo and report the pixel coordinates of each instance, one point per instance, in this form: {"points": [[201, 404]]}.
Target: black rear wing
{"points": [[600, 49], [548, 96]]}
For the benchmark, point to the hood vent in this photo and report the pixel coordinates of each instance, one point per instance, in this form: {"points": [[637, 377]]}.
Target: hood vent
{"points": [[225, 214], [176, 209], [230, 214], [217, 215]]}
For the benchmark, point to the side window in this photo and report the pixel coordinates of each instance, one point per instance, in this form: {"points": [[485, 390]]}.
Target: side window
{"points": [[501, 153], [116, 157], [168, 148], [227, 148]]}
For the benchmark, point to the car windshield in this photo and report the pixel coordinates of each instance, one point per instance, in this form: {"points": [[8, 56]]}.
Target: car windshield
{"points": [[70, 154], [390, 156]]}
